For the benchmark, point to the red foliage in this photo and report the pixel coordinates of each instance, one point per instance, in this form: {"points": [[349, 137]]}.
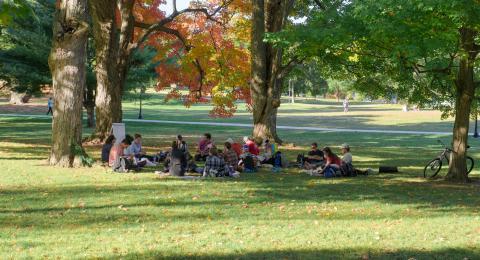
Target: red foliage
{"points": [[215, 69]]}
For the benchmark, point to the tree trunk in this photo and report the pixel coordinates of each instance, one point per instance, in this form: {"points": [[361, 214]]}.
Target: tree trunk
{"points": [[67, 63], [113, 50], [17, 98], [267, 16], [108, 95], [465, 88]]}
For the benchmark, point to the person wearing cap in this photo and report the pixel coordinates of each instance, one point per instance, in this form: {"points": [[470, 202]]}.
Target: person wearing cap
{"points": [[347, 156], [235, 146]]}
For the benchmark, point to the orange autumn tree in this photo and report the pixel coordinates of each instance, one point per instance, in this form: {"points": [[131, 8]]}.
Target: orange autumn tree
{"points": [[207, 57], [120, 27]]}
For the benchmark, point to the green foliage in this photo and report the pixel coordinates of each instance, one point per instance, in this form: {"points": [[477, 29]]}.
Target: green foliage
{"points": [[11, 9], [84, 157], [307, 78], [387, 47], [142, 74], [25, 46]]}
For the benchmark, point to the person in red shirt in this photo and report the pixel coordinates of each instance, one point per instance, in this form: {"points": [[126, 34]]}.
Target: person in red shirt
{"points": [[252, 146], [235, 146], [331, 160]]}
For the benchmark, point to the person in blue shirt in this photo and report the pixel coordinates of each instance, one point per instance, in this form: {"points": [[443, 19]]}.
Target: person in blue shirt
{"points": [[50, 106]]}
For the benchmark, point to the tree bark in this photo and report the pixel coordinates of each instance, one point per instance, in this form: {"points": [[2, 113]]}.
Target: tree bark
{"points": [[67, 63], [267, 16], [108, 103], [465, 89]]}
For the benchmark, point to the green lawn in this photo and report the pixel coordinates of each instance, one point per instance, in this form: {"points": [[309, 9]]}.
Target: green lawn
{"points": [[92, 213]]}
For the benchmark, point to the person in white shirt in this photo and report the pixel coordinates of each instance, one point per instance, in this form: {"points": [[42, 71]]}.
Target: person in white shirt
{"points": [[347, 156]]}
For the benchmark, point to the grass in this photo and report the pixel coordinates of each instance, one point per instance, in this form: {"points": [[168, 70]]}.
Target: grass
{"points": [[50, 212]]}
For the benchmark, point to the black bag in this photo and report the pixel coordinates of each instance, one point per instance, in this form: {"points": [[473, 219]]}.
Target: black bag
{"points": [[122, 165], [347, 170], [249, 163]]}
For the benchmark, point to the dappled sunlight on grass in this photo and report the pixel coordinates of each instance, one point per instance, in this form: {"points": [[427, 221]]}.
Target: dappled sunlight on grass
{"points": [[49, 212]]}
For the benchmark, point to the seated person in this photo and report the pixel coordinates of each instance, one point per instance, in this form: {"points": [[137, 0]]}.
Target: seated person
{"points": [[204, 147], [230, 157], [347, 156], [214, 164], [182, 145], [107, 147], [117, 151], [248, 162], [252, 146], [177, 165], [267, 156], [135, 150], [347, 163], [314, 158], [332, 162], [235, 146]]}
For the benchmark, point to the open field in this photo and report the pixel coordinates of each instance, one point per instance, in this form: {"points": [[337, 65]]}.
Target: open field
{"points": [[92, 213], [307, 113]]}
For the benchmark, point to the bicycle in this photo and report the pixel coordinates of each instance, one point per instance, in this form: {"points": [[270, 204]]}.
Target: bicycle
{"points": [[434, 166]]}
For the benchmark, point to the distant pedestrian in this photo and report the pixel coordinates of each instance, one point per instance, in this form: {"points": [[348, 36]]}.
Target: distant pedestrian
{"points": [[345, 105], [50, 106]]}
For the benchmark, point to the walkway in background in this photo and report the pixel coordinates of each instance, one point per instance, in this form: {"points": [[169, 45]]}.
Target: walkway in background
{"points": [[316, 129]]}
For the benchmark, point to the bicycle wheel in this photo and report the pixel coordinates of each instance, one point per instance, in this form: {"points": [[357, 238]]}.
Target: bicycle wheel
{"points": [[470, 164], [432, 168]]}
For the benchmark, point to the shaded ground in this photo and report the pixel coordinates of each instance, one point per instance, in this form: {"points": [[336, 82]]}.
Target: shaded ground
{"points": [[92, 213]]}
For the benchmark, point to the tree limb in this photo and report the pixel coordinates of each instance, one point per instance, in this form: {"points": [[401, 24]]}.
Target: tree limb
{"points": [[161, 24], [284, 70]]}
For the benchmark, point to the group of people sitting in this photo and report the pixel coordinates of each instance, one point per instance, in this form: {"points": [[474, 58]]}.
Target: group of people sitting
{"points": [[233, 159], [326, 163], [126, 155]]}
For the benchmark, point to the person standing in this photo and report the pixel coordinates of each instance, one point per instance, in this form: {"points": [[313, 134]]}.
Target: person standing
{"points": [[50, 106], [345, 105]]}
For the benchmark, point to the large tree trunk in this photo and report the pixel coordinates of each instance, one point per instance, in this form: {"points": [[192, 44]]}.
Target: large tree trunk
{"points": [[465, 88], [67, 63], [267, 16], [113, 49], [108, 94]]}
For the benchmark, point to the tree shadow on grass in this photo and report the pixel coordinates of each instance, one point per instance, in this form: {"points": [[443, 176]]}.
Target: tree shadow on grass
{"points": [[346, 253], [258, 191]]}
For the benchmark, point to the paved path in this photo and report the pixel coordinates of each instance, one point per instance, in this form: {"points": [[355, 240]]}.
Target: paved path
{"points": [[302, 128]]}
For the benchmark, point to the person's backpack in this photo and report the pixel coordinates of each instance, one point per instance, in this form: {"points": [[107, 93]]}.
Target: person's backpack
{"points": [[347, 170], [121, 165], [249, 164], [329, 173], [300, 160], [277, 160]]}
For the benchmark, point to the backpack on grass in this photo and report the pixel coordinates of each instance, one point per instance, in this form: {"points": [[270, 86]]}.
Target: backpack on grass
{"points": [[348, 170], [121, 165]]}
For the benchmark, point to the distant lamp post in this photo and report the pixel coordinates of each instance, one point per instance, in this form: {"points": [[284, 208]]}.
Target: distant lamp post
{"points": [[475, 134], [140, 115]]}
